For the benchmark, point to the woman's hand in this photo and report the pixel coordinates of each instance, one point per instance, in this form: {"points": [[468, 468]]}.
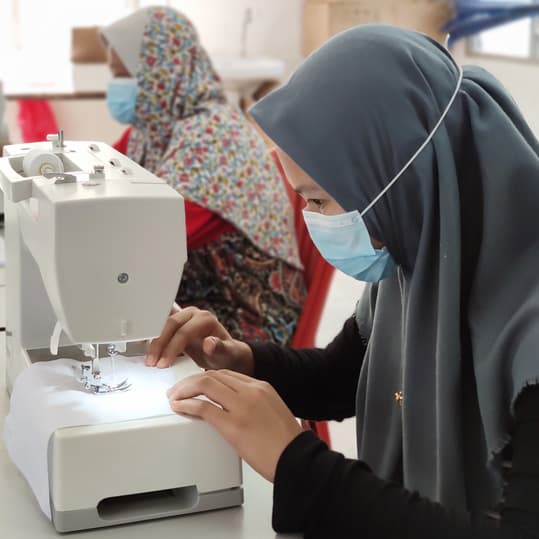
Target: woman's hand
{"points": [[200, 335], [248, 413]]}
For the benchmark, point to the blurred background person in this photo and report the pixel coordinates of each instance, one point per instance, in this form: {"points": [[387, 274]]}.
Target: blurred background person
{"points": [[243, 262]]}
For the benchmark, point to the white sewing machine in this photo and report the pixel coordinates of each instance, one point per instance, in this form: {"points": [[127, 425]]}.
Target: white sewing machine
{"points": [[95, 247]]}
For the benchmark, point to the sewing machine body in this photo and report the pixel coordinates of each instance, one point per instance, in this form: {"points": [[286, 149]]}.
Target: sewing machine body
{"points": [[99, 249], [115, 473]]}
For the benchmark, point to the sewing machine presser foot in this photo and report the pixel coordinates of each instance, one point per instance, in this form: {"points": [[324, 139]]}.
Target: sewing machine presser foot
{"points": [[94, 384]]}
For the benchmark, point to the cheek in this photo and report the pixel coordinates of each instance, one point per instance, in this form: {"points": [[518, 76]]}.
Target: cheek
{"points": [[333, 208]]}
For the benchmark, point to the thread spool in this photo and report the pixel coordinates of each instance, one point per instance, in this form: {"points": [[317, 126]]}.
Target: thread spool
{"points": [[37, 163]]}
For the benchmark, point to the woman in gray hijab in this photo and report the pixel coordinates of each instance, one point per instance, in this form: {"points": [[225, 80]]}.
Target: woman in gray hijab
{"points": [[421, 177]]}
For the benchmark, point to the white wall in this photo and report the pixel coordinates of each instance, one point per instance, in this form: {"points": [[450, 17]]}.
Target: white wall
{"points": [[275, 31]]}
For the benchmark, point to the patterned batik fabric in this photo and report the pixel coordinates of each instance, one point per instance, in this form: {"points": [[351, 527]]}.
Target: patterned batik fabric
{"points": [[186, 132], [260, 297]]}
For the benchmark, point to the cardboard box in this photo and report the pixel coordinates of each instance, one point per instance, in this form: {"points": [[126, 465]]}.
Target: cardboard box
{"points": [[87, 46], [325, 18]]}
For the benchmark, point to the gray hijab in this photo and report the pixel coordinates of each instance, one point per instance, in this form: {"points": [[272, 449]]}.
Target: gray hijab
{"points": [[456, 328]]}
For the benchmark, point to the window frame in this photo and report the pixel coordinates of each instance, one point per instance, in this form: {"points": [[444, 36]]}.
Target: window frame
{"points": [[473, 49]]}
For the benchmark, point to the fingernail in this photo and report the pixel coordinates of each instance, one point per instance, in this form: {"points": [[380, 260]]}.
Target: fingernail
{"points": [[214, 341], [150, 361], [162, 363]]}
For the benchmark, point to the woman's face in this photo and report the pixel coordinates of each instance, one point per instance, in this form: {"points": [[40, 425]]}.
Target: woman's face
{"points": [[116, 66], [316, 199]]}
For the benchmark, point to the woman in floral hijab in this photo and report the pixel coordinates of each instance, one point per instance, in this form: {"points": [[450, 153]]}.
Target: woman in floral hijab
{"points": [[243, 262]]}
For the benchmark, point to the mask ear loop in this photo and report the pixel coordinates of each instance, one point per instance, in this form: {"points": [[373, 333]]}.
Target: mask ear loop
{"points": [[421, 148]]}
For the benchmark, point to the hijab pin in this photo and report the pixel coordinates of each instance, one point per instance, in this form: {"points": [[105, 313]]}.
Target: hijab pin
{"points": [[399, 397]]}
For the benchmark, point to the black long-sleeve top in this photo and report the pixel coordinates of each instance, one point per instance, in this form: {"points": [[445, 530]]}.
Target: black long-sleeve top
{"points": [[322, 494]]}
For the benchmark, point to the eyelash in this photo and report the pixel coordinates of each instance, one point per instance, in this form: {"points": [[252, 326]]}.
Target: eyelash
{"points": [[316, 201]]}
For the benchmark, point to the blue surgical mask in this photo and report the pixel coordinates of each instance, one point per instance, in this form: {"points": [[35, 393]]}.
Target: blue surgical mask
{"points": [[344, 241], [122, 98]]}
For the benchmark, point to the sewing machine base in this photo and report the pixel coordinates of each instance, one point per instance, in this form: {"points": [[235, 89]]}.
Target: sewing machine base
{"points": [[95, 482], [155, 505], [128, 471]]}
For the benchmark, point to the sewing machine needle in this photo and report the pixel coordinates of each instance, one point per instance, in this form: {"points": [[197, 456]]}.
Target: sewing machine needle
{"points": [[96, 369]]}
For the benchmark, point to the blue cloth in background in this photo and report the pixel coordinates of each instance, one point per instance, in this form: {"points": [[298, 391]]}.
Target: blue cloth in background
{"points": [[474, 16]]}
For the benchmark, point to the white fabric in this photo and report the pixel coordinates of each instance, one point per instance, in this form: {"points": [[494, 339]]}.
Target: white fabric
{"points": [[125, 37], [48, 396]]}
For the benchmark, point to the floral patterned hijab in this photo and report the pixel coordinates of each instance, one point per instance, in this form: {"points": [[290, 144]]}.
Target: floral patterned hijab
{"points": [[187, 133]]}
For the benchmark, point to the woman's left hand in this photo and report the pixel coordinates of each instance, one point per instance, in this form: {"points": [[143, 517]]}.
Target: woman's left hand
{"points": [[248, 413]]}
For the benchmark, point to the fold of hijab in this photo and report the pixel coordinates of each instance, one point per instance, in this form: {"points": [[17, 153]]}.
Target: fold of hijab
{"points": [[187, 133], [125, 37], [456, 328]]}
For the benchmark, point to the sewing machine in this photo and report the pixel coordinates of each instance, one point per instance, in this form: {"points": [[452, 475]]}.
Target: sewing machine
{"points": [[95, 247]]}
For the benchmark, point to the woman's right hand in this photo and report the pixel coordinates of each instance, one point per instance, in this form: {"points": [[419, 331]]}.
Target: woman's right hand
{"points": [[201, 336]]}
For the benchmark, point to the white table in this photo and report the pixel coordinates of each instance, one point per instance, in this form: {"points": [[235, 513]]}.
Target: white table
{"points": [[21, 518]]}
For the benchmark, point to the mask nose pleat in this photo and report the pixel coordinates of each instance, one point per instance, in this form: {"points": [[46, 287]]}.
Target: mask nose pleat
{"points": [[344, 241]]}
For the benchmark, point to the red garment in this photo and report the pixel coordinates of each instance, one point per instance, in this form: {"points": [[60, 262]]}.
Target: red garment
{"points": [[121, 144], [202, 225], [36, 120]]}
